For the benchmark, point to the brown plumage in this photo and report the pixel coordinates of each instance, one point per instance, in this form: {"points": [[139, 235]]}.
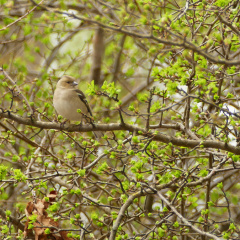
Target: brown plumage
{"points": [[68, 99]]}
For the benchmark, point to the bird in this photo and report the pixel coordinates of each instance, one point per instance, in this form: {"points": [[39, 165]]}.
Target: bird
{"points": [[71, 103]]}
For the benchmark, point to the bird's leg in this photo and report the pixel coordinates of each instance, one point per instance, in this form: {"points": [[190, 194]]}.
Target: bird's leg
{"points": [[88, 119], [63, 123], [81, 122], [91, 121]]}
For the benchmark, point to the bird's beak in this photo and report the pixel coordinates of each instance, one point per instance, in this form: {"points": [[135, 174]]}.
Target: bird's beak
{"points": [[74, 84]]}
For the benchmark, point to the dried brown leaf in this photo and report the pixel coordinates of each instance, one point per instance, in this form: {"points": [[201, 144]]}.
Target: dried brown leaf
{"points": [[43, 221]]}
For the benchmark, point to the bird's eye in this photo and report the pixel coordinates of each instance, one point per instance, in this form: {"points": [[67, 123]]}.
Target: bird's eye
{"points": [[68, 82]]}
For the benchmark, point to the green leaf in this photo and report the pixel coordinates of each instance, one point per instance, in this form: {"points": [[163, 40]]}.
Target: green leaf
{"points": [[110, 88], [3, 172], [176, 224], [161, 232], [47, 231], [130, 72], [102, 168], [222, 3], [91, 89], [19, 176], [171, 87], [232, 227], [4, 229], [220, 185], [54, 207], [81, 172]]}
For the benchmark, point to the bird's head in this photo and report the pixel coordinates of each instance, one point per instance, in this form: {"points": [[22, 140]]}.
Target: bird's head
{"points": [[67, 82]]}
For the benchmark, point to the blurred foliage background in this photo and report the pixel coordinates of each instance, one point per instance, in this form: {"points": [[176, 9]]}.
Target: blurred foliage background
{"points": [[162, 78]]}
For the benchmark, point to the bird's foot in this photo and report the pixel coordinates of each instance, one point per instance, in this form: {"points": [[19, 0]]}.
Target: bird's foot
{"points": [[63, 123]]}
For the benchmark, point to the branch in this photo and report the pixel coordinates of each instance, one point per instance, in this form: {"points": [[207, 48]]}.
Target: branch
{"points": [[119, 126], [229, 25], [118, 59], [13, 220], [184, 220], [19, 19], [60, 181], [18, 89], [121, 214], [98, 52], [130, 96], [129, 202], [182, 43]]}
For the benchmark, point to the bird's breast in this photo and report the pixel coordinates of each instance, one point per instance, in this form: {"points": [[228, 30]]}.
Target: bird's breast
{"points": [[67, 104]]}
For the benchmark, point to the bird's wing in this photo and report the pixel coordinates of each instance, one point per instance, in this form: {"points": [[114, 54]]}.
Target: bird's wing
{"points": [[84, 100]]}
